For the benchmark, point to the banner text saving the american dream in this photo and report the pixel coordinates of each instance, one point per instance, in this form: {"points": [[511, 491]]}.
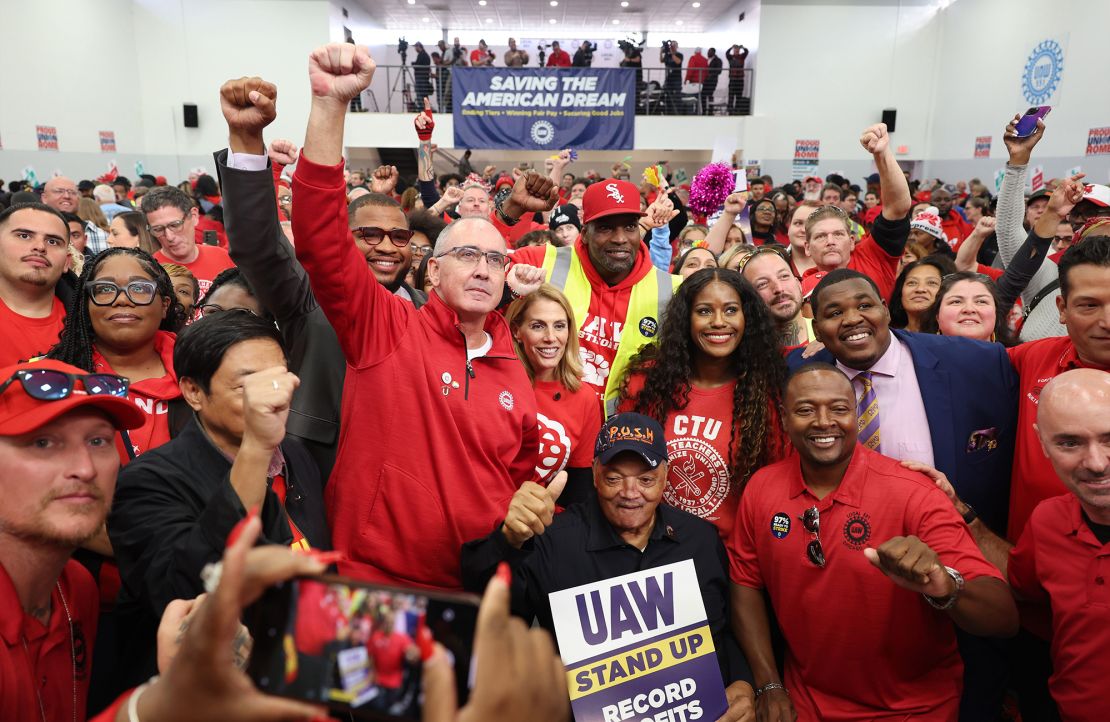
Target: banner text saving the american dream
{"points": [[544, 92]]}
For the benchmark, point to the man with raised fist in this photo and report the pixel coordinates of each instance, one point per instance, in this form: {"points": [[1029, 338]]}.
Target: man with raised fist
{"points": [[440, 415], [623, 529]]}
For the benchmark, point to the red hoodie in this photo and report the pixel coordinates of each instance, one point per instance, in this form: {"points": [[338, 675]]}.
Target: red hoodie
{"points": [[432, 448], [600, 332]]}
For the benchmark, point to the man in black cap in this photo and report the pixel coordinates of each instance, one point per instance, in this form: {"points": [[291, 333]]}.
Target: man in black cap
{"points": [[624, 529], [565, 224]]}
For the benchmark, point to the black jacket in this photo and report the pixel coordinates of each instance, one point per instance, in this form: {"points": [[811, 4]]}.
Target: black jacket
{"points": [[581, 547], [259, 248], [173, 510]]}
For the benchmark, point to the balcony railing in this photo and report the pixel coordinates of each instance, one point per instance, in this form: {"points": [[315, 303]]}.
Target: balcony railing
{"points": [[394, 91]]}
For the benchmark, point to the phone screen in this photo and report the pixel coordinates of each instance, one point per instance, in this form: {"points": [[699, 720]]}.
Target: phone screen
{"points": [[356, 647]]}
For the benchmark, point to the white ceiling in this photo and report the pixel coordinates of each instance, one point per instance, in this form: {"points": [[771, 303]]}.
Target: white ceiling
{"points": [[519, 15]]}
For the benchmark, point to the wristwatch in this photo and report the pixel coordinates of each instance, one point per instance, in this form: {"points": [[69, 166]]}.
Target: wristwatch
{"points": [[970, 515], [948, 602]]}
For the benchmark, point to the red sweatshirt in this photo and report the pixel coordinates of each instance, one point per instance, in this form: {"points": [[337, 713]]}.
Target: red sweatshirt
{"points": [[600, 332], [432, 448]]}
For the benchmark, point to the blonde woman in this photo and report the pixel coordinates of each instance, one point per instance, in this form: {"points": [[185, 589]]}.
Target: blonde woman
{"points": [[546, 340]]}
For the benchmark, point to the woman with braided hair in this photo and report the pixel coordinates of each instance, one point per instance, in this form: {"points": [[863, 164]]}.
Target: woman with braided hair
{"points": [[714, 381], [120, 321]]}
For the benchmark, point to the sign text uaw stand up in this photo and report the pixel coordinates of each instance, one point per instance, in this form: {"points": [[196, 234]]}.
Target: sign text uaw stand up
{"points": [[637, 647]]}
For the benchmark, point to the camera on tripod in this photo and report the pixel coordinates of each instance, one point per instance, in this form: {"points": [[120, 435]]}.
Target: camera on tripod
{"points": [[403, 49]]}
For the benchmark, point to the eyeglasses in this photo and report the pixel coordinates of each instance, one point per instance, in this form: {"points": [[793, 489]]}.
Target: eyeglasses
{"points": [[811, 520], [175, 226], [105, 293], [421, 250], [1063, 239], [64, 192], [51, 385], [470, 256], [373, 235], [216, 308], [763, 250]]}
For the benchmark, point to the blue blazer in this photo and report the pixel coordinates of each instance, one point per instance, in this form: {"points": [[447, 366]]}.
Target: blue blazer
{"points": [[970, 392]]}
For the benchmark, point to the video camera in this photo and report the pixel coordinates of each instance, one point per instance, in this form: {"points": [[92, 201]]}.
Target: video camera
{"points": [[628, 47], [667, 46], [402, 49]]}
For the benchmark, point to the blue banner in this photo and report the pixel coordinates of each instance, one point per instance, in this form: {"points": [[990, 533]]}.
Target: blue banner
{"points": [[537, 109]]}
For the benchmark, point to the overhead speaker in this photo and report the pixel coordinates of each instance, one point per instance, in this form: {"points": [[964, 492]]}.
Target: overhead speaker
{"points": [[191, 120], [889, 116]]}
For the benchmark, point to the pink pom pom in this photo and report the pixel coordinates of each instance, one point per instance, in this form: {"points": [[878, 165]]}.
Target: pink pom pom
{"points": [[710, 187]]}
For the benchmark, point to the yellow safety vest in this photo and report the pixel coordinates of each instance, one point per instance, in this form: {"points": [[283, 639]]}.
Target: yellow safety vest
{"points": [[649, 299]]}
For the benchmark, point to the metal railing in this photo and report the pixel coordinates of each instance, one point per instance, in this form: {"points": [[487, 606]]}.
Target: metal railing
{"points": [[659, 91]]}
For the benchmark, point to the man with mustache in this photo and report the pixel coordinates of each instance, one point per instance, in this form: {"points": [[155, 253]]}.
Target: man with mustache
{"points": [[60, 462], [34, 289], [439, 416], [770, 274]]}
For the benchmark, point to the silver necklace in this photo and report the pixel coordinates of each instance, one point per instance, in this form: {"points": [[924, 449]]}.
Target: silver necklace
{"points": [[72, 657]]}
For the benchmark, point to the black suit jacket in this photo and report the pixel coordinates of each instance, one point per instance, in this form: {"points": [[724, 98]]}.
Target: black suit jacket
{"points": [[260, 249]]}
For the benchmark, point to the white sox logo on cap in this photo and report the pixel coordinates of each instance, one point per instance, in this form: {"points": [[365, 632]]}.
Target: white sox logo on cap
{"points": [[614, 192]]}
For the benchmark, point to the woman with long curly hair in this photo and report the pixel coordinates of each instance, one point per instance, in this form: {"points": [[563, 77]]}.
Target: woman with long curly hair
{"points": [[120, 321], [714, 381]]}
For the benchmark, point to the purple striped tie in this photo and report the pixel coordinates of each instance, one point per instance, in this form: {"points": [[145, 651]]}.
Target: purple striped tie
{"points": [[868, 410]]}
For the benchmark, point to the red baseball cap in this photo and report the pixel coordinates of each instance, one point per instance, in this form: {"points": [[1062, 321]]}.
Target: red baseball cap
{"points": [[610, 197], [21, 413]]}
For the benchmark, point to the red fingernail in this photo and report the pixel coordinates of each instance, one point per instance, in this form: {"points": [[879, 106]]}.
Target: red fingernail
{"points": [[327, 557], [237, 530], [504, 573]]}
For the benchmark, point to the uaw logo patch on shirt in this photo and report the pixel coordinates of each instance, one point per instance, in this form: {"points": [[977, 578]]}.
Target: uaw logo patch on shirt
{"points": [[506, 400], [857, 530]]}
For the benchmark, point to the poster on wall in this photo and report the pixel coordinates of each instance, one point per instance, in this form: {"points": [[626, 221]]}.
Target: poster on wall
{"points": [[1098, 141], [806, 155], [1043, 73], [639, 647], [47, 136], [1036, 180], [580, 108], [983, 146], [107, 141]]}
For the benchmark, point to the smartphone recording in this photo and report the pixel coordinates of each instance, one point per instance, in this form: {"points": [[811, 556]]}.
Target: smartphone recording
{"points": [[355, 647]]}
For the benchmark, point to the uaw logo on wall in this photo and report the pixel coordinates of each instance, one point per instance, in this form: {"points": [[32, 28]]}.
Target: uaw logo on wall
{"points": [[542, 132], [554, 448], [1042, 73]]}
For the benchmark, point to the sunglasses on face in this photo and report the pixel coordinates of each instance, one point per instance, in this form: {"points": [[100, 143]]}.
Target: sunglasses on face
{"points": [[51, 385], [811, 521], [105, 293], [373, 235]]}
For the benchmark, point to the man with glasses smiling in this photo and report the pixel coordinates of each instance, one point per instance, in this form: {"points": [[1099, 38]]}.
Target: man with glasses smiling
{"points": [[439, 416], [172, 220], [867, 567]]}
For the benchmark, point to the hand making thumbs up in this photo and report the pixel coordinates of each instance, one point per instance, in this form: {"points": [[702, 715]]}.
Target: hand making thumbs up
{"points": [[532, 510]]}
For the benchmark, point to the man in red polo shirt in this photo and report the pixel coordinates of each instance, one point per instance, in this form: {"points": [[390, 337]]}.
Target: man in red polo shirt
{"points": [[60, 468], [172, 219], [1062, 560], [830, 240], [819, 532], [1084, 305]]}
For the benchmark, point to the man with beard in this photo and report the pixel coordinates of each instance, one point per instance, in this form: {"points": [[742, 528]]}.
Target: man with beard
{"points": [[617, 295], [955, 227], [57, 450], [770, 274], [34, 293], [263, 253]]}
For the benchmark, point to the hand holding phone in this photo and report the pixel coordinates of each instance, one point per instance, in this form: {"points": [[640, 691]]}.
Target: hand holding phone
{"points": [[1027, 125]]}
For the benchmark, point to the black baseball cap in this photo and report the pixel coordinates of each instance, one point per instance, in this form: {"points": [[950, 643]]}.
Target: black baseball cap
{"points": [[631, 432], [1042, 193]]}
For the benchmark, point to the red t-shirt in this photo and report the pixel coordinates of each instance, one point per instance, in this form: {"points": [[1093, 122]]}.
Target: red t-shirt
{"points": [[558, 59], [23, 338], [47, 662], [479, 57], [870, 259], [856, 643], [699, 480], [1033, 479], [1059, 562], [150, 395], [569, 423], [319, 617], [204, 223], [209, 262], [387, 649]]}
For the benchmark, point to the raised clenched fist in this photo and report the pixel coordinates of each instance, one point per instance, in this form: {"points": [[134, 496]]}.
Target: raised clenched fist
{"points": [[875, 139], [340, 71], [283, 152], [384, 179], [532, 193], [248, 104]]}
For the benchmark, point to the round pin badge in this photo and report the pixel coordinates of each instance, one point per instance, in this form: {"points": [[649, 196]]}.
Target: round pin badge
{"points": [[780, 525]]}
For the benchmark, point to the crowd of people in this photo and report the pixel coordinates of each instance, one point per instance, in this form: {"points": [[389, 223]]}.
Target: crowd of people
{"points": [[874, 416]]}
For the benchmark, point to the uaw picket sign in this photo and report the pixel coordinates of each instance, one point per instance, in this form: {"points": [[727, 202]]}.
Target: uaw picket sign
{"points": [[638, 648]]}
